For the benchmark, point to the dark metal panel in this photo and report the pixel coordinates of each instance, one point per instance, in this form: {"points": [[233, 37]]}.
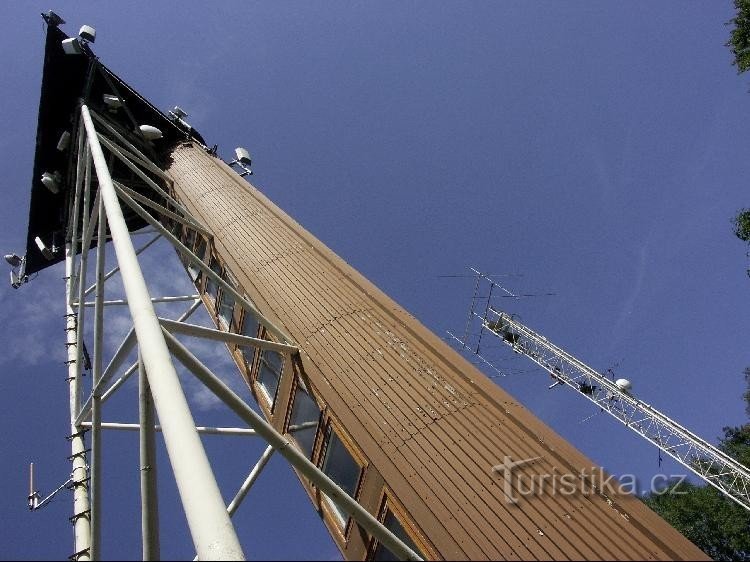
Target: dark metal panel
{"points": [[66, 81]]}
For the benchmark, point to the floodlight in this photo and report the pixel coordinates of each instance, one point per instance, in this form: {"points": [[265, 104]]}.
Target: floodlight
{"points": [[113, 103], [87, 33], [178, 112], [13, 259], [72, 46], [150, 133], [242, 155], [46, 252], [243, 160], [51, 181], [64, 142], [18, 274]]}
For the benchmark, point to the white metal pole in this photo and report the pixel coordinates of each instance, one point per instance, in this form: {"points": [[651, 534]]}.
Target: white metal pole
{"points": [[202, 429], [81, 276], [207, 271], [79, 475], [96, 413], [250, 480], [116, 269], [126, 375], [295, 457], [147, 441], [74, 208], [123, 302], [213, 535], [114, 364], [227, 337]]}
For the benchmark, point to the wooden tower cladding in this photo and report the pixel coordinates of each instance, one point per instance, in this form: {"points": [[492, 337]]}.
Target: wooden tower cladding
{"points": [[387, 409]]}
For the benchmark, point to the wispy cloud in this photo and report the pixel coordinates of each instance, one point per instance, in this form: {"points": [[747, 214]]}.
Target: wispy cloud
{"points": [[34, 332]]}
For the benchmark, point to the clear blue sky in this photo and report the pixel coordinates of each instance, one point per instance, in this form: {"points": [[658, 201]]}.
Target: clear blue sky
{"points": [[597, 149]]}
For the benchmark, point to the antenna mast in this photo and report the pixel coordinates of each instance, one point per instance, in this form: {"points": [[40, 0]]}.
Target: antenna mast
{"points": [[615, 397]]}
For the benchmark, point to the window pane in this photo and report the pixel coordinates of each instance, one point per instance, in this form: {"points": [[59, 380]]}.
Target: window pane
{"points": [[226, 308], [341, 467], [269, 372], [194, 271], [212, 287], [200, 250], [303, 423], [249, 328], [190, 238], [394, 526]]}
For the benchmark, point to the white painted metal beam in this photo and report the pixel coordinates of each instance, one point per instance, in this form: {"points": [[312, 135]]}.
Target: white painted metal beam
{"points": [[211, 529]]}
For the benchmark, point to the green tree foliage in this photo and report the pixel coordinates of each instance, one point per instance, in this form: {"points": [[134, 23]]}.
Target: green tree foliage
{"points": [[717, 525], [739, 39], [741, 223]]}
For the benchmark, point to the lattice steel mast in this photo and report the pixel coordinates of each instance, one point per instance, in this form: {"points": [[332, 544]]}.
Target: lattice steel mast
{"points": [[714, 466]]}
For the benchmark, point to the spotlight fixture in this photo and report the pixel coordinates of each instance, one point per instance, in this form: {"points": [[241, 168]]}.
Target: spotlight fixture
{"points": [[14, 260], [177, 112], [47, 252], [243, 160], [52, 181], [87, 33], [150, 133], [64, 142], [242, 155], [18, 272], [72, 46], [112, 102]]}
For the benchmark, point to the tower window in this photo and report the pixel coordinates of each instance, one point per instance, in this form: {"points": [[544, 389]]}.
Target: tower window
{"points": [[303, 422], [249, 328], [212, 287], [392, 523], [269, 373], [225, 305], [340, 466]]}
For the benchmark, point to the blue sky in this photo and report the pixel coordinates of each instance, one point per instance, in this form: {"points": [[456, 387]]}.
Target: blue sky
{"points": [[594, 150]]}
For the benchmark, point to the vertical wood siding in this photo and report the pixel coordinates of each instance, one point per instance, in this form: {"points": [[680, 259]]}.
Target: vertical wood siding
{"points": [[428, 423]]}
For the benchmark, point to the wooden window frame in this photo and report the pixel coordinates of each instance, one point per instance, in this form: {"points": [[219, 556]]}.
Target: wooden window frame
{"points": [[326, 504], [296, 382], [388, 502], [227, 276], [260, 393], [213, 258]]}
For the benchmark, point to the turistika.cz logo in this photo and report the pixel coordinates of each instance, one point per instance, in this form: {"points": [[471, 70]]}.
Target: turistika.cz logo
{"points": [[588, 481]]}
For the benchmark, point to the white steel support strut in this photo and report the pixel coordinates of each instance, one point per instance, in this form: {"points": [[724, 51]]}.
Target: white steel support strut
{"points": [[713, 465], [96, 414], [79, 474], [295, 457], [147, 441], [213, 535]]}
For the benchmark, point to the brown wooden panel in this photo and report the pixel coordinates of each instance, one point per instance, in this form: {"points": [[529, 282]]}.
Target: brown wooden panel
{"points": [[428, 423]]}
